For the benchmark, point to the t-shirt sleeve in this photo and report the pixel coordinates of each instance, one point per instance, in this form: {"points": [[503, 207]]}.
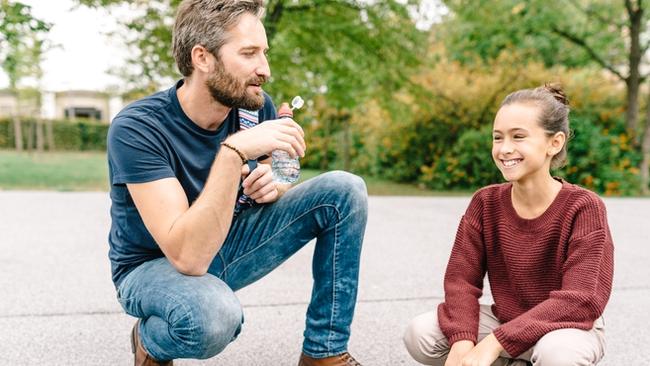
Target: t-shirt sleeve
{"points": [[136, 152]]}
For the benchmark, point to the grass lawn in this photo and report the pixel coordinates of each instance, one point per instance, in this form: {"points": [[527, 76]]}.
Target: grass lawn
{"points": [[60, 171], [88, 171]]}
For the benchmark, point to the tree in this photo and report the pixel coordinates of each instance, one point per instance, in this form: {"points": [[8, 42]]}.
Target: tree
{"points": [[346, 51], [569, 32], [21, 49]]}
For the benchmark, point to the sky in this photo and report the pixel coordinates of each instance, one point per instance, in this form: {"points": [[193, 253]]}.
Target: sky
{"points": [[85, 52]]}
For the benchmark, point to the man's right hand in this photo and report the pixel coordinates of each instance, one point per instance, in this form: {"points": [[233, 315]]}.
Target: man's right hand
{"points": [[458, 351], [279, 134]]}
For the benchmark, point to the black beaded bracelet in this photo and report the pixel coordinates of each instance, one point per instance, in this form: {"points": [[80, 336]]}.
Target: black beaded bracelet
{"points": [[241, 154]]}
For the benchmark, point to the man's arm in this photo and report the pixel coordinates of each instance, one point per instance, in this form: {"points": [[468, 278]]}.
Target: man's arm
{"points": [[190, 236]]}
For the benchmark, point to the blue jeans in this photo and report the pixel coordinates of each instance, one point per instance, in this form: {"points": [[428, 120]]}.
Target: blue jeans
{"points": [[197, 317]]}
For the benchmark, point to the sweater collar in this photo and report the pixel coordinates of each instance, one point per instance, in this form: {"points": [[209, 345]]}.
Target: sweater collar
{"points": [[540, 222]]}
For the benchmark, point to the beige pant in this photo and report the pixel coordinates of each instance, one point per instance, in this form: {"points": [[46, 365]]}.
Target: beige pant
{"points": [[426, 343]]}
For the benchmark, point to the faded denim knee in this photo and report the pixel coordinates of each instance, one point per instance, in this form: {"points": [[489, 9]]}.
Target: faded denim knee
{"points": [[348, 190], [206, 320]]}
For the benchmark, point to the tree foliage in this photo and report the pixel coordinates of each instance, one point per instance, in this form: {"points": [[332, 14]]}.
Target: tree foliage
{"points": [[21, 41], [542, 30], [336, 54], [345, 50], [609, 34]]}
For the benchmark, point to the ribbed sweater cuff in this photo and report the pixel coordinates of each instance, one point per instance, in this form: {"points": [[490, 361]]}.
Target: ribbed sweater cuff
{"points": [[514, 349], [462, 336]]}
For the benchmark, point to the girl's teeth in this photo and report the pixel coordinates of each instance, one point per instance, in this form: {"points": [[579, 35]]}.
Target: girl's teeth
{"points": [[509, 163]]}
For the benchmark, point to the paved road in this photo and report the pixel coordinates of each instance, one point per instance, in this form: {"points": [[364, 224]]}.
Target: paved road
{"points": [[58, 307]]}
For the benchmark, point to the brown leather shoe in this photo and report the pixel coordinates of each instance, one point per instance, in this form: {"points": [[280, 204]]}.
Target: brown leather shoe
{"points": [[344, 359], [141, 356]]}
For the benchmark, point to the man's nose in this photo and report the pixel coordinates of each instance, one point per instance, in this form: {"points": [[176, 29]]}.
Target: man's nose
{"points": [[263, 69]]}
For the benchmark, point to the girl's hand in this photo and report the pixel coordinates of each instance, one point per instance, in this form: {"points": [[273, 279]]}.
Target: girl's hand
{"points": [[485, 352], [457, 352]]}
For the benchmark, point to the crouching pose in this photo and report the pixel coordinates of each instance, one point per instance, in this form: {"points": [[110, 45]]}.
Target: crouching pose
{"points": [[185, 234]]}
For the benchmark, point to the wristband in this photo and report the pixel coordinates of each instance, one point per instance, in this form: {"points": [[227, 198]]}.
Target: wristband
{"points": [[241, 154]]}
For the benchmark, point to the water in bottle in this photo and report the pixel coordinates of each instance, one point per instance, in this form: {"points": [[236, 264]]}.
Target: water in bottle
{"points": [[285, 168]]}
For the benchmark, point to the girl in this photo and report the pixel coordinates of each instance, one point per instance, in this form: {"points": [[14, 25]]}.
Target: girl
{"points": [[545, 245]]}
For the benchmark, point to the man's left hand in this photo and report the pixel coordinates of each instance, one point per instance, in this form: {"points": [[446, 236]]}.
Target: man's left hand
{"points": [[484, 353], [259, 184]]}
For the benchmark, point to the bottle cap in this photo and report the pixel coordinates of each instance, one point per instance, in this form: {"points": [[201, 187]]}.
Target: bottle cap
{"points": [[285, 111]]}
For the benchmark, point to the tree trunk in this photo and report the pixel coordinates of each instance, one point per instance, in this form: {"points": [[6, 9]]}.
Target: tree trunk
{"points": [[645, 162], [30, 136], [18, 133], [635, 13], [40, 139], [345, 120], [632, 110], [644, 166], [326, 143], [274, 13], [49, 134]]}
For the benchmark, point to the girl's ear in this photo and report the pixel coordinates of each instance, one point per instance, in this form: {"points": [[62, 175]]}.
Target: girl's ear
{"points": [[556, 143]]}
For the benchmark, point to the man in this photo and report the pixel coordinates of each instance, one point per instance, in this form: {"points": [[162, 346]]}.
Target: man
{"points": [[176, 159]]}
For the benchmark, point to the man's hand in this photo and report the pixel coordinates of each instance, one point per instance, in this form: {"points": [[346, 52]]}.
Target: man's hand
{"points": [[458, 351], [485, 352], [279, 134], [259, 184]]}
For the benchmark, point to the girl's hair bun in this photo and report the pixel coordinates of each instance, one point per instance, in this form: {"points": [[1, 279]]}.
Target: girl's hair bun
{"points": [[555, 89]]}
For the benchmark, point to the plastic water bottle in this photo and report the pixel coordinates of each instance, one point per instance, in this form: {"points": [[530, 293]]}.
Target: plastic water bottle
{"points": [[285, 168]]}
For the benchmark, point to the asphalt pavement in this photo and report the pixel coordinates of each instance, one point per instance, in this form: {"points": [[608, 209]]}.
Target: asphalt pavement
{"points": [[58, 306]]}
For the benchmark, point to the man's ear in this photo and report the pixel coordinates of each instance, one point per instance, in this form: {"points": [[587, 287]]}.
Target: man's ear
{"points": [[202, 59], [557, 143]]}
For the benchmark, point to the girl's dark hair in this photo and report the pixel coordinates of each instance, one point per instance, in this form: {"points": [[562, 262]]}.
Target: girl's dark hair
{"points": [[554, 112]]}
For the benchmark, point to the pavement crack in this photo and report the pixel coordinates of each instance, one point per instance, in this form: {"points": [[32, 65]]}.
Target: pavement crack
{"points": [[278, 304]]}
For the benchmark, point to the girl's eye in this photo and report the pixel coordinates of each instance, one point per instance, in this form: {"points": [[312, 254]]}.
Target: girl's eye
{"points": [[519, 137], [496, 138]]}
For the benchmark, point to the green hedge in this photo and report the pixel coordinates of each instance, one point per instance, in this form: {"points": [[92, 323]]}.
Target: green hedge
{"points": [[68, 135]]}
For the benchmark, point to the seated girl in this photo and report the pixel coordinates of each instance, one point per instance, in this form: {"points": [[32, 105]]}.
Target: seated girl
{"points": [[546, 248]]}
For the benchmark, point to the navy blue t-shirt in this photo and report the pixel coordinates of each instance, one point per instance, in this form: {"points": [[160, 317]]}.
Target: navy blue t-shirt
{"points": [[153, 139]]}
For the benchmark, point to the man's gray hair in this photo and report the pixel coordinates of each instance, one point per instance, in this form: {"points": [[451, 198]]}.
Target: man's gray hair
{"points": [[206, 23]]}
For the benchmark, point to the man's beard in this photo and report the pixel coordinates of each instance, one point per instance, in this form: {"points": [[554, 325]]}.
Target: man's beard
{"points": [[230, 92]]}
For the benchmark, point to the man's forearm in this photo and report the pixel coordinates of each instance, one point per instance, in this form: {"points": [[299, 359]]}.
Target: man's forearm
{"points": [[202, 229]]}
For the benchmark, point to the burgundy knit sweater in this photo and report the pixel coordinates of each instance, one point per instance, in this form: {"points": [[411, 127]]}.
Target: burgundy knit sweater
{"points": [[548, 273]]}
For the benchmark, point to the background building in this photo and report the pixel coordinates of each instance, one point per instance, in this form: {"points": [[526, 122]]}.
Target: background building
{"points": [[70, 104]]}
